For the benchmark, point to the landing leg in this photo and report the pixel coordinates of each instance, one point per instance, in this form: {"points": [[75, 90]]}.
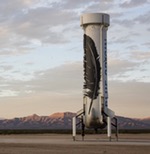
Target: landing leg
{"points": [[83, 129], [116, 123], [74, 128], [109, 128]]}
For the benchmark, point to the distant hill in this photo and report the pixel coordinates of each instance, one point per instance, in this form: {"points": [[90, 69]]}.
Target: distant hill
{"points": [[132, 123], [64, 121], [54, 121]]}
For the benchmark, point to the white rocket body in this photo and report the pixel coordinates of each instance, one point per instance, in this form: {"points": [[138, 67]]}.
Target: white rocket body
{"points": [[95, 27]]}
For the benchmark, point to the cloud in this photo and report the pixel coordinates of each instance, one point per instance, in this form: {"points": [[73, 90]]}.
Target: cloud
{"points": [[140, 55], [133, 3], [124, 22], [73, 5], [6, 67], [129, 97], [147, 44], [132, 65], [104, 6], [20, 27], [63, 79], [119, 66], [37, 23], [143, 18], [15, 51]]}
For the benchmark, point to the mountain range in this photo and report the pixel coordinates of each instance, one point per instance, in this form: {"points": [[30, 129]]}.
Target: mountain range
{"points": [[63, 120]]}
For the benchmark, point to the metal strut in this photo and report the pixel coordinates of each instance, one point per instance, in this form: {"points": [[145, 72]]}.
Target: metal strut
{"points": [[75, 124], [115, 124], [83, 129]]}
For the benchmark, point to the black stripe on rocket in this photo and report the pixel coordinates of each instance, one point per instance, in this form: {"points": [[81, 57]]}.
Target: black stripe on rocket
{"points": [[91, 70]]}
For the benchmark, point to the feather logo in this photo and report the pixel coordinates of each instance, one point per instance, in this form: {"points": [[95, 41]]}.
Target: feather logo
{"points": [[91, 70]]}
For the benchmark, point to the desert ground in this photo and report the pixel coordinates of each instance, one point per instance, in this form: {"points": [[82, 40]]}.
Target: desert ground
{"points": [[63, 144]]}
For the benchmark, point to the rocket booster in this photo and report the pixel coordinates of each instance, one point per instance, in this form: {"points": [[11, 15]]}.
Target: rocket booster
{"points": [[95, 26]]}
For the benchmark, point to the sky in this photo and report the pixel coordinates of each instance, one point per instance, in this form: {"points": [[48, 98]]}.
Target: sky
{"points": [[41, 56]]}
